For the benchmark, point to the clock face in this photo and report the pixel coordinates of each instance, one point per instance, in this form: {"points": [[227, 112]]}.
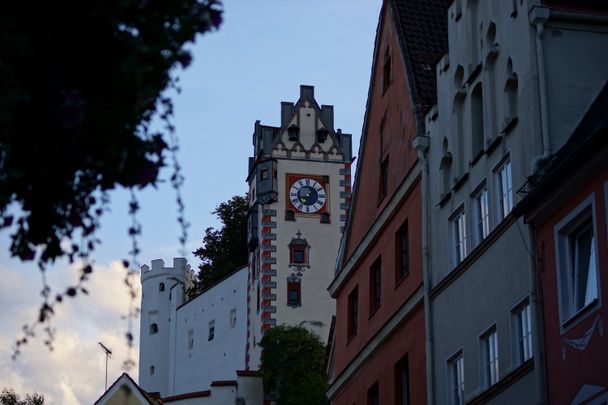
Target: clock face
{"points": [[307, 195]]}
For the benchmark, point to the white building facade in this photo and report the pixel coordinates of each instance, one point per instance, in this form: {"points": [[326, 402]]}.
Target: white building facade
{"points": [[187, 346], [299, 188]]}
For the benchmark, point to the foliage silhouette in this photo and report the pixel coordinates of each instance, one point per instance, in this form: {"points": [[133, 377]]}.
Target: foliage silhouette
{"points": [[292, 366], [224, 250]]}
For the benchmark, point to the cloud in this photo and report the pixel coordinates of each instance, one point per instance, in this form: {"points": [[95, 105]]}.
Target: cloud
{"points": [[73, 373]]}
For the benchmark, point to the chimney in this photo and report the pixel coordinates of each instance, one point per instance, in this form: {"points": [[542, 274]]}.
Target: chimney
{"points": [[327, 113], [307, 92], [286, 113]]}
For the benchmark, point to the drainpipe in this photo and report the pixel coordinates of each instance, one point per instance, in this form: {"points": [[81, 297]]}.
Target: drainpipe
{"points": [[538, 337], [538, 17], [421, 144]]}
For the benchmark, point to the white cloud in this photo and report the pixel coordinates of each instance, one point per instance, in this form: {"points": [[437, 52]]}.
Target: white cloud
{"points": [[73, 373]]}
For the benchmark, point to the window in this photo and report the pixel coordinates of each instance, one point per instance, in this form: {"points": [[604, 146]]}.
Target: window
{"points": [[505, 189], [258, 298], [190, 339], [264, 174], [233, 318], [151, 370], [161, 287], [294, 297], [387, 74], [402, 395], [383, 183], [373, 395], [476, 121], [458, 236], [298, 251], [523, 330], [402, 266], [325, 218], [211, 330], [153, 329], [577, 261], [290, 215], [322, 135], [456, 379], [353, 313], [480, 207], [490, 356], [298, 256], [375, 285]]}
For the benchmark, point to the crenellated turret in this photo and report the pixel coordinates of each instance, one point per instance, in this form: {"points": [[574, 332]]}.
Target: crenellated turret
{"points": [[163, 290]]}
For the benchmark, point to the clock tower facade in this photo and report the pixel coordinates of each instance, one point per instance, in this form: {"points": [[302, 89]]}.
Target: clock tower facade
{"points": [[299, 192]]}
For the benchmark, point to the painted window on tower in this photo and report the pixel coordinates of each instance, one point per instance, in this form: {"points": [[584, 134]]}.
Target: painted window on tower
{"points": [[298, 251], [294, 293]]}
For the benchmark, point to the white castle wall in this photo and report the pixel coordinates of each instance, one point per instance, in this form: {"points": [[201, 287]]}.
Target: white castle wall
{"points": [[197, 361]]}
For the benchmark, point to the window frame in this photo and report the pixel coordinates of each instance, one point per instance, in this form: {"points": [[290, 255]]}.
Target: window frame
{"points": [[352, 322], [490, 366], [522, 334], [455, 375], [503, 211], [457, 239], [402, 390], [375, 285], [294, 287], [571, 223], [402, 252], [481, 219], [373, 394], [211, 334]]}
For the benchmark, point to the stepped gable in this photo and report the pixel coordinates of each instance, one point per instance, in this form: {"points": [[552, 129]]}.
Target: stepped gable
{"points": [[423, 37]]}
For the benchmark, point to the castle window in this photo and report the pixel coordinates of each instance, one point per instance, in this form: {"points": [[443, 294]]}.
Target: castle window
{"points": [[293, 132], [294, 296], [290, 215], [233, 318], [325, 218], [161, 287], [258, 300], [322, 135], [298, 251], [211, 330], [153, 329]]}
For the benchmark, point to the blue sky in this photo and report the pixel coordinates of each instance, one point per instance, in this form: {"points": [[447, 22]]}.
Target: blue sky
{"points": [[260, 56]]}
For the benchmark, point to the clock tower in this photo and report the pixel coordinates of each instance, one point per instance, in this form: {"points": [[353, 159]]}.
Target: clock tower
{"points": [[299, 193]]}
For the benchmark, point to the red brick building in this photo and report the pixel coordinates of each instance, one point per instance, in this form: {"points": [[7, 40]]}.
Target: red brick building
{"points": [[566, 206], [378, 347]]}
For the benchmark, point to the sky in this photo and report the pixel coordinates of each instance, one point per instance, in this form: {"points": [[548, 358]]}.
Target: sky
{"points": [[263, 52]]}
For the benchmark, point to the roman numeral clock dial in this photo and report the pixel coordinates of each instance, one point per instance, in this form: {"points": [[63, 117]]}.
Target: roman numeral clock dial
{"points": [[307, 195]]}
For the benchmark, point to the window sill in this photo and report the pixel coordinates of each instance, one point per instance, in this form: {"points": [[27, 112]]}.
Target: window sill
{"points": [[373, 312], [398, 282], [579, 316], [380, 199], [444, 198], [350, 338], [460, 181]]}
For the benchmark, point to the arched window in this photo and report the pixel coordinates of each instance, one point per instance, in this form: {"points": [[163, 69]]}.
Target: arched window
{"points": [[161, 287], [477, 129], [511, 88], [446, 169], [153, 328]]}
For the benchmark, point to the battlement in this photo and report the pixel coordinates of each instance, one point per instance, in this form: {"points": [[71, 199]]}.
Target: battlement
{"points": [[181, 269]]}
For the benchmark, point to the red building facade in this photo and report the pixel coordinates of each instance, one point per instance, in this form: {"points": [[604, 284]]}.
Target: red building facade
{"points": [[378, 348], [566, 206]]}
